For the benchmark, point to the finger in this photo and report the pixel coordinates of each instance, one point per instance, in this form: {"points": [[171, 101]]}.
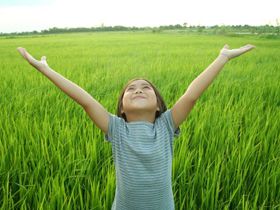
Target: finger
{"points": [[248, 47], [21, 51], [251, 46], [26, 55]]}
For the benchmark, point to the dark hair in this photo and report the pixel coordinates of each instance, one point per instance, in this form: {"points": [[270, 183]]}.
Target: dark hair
{"points": [[160, 101]]}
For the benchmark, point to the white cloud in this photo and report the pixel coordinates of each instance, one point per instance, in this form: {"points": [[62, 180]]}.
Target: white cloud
{"points": [[88, 13]]}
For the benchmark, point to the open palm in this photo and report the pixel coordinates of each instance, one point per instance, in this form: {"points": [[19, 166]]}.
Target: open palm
{"points": [[232, 53], [35, 63]]}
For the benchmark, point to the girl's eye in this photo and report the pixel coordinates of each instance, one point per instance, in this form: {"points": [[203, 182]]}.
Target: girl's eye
{"points": [[133, 88]]}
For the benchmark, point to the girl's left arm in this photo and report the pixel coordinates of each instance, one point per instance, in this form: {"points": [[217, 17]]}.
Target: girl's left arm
{"points": [[185, 104]]}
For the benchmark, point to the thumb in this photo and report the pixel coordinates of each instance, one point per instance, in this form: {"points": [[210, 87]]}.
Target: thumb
{"points": [[226, 46], [44, 59]]}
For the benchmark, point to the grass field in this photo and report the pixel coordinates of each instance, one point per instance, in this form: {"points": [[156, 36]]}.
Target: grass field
{"points": [[53, 156]]}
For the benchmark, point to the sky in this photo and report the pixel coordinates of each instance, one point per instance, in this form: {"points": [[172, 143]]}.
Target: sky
{"points": [[30, 15]]}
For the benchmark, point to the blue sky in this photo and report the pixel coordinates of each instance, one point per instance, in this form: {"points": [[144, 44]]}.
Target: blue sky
{"points": [[29, 15]]}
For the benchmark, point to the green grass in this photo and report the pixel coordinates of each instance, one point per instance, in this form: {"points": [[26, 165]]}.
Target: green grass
{"points": [[53, 157]]}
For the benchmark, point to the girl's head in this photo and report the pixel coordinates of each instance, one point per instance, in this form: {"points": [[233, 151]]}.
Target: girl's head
{"points": [[139, 93]]}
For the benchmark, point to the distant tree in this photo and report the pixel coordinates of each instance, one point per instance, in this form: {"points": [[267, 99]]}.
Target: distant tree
{"points": [[222, 30], [200, 28], [178, 26], [278, 26]]}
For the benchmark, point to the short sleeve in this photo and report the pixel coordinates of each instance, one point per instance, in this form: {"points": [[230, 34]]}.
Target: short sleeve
{"points": [[168, 118], [113, 126]]}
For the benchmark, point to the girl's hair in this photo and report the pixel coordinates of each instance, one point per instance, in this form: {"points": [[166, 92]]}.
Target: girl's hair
{"points": [[160, 101]]}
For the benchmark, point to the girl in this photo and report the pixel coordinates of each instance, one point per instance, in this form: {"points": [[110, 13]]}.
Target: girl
{"points": [[142, 132]]}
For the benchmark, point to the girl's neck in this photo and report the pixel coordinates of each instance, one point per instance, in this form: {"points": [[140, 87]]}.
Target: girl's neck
{"points": [[148, 117]]}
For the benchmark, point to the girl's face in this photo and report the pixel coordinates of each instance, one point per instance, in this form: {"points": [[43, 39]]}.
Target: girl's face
{"points": [[139, 95]]}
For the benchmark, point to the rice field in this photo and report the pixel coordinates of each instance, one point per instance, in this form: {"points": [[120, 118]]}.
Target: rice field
{"points": [[53, 156]]}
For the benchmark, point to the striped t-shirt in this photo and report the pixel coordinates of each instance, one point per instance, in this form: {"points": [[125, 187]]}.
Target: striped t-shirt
{"points": [[142, 153]]}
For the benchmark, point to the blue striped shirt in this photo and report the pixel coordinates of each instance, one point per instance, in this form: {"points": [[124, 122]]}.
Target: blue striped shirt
{"points": [[142, 153]]}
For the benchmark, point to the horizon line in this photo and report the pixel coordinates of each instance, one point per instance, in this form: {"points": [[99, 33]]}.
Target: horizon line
{"points": [[105, 26]]}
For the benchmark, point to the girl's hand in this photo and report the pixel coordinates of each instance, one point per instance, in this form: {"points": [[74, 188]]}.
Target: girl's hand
{"points": [[235, 52], [35, 63]]}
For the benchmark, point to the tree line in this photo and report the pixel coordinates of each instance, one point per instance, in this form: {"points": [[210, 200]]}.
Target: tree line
{"points": [[216, 29]]}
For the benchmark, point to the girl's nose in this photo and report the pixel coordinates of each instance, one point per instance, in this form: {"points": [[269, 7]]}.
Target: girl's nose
{"points": [[139, 91]]}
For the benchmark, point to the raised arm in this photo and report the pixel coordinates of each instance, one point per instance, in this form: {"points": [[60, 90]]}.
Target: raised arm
{"points": [[93, 108], [184, 105]]}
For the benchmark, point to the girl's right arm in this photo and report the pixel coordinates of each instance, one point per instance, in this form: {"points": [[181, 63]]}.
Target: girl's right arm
{"points": [[94, 109]]}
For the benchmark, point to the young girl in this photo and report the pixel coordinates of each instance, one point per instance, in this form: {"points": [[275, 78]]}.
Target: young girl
{"points": [[142, 132]]}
